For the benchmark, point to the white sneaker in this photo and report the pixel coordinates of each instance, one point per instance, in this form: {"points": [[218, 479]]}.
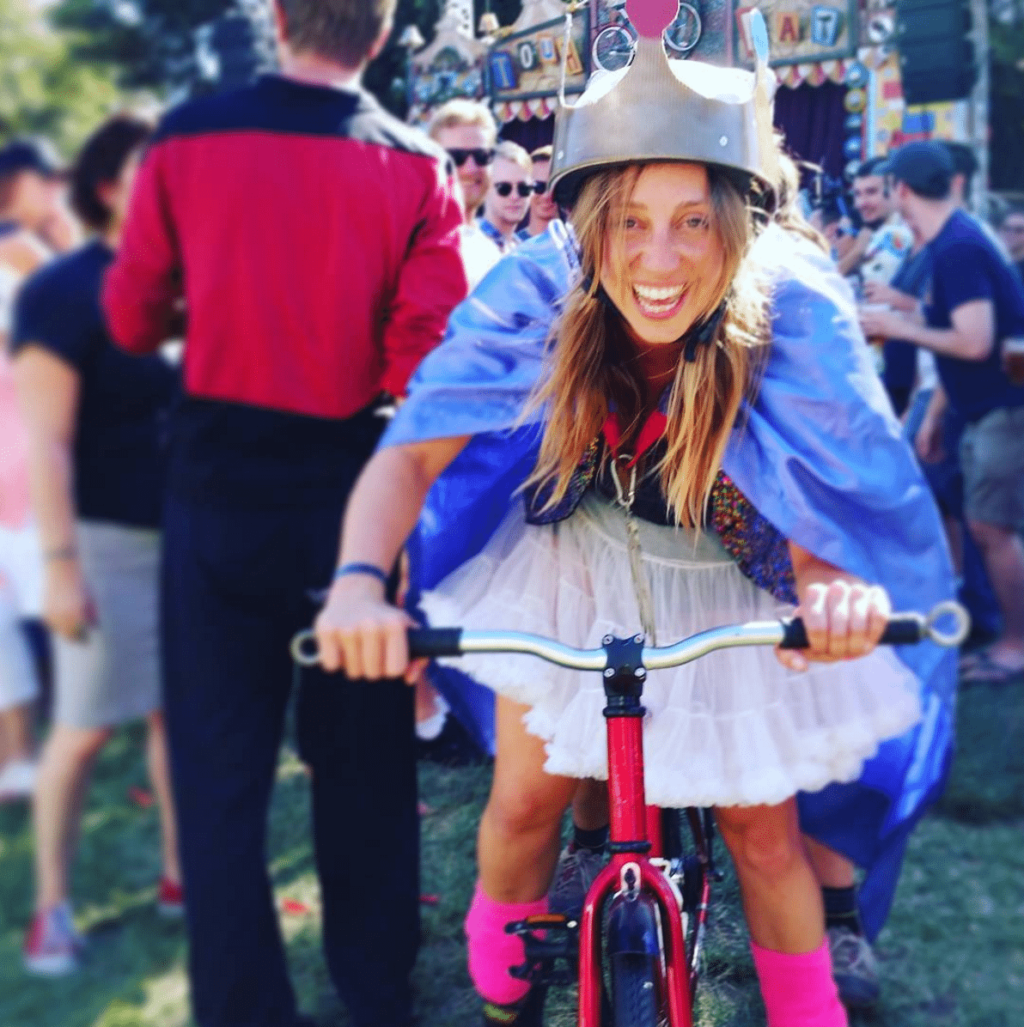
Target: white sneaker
{"points": [[17, 780]]}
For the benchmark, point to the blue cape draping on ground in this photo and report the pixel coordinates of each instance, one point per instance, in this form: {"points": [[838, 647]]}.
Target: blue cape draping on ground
{"points": [[820, 455]]}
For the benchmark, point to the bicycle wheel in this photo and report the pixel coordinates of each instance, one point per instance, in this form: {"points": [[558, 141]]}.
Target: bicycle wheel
{"points": [[636, 1001]]}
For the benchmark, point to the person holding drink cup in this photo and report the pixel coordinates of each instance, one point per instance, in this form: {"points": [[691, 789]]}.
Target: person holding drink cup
{"points": [[974, 324]]}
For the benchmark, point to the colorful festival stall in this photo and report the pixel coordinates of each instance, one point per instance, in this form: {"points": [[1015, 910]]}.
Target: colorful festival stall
{"points": [[840, 98]]}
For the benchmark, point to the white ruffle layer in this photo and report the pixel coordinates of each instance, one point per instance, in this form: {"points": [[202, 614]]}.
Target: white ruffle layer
{"points": [[734, 728]]}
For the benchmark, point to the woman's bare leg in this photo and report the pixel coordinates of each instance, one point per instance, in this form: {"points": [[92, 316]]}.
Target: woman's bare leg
{"points": [[64, 771], [781, 894], [519, 833], [158, 763]]}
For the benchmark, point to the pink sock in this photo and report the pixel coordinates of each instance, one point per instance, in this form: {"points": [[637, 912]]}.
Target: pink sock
{"points": [[492, 951], [798, 990]]}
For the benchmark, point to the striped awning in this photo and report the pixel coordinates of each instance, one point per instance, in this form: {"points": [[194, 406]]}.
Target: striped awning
{"points": [[539, 107], [813, 73]]}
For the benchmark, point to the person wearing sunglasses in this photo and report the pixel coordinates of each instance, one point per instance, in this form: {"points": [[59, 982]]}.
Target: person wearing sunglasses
{"points": [[543, 209], [467, 130], [508, 200]]}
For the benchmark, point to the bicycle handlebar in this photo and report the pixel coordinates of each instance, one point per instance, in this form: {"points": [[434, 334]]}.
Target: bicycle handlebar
{"points": [[789, 633]]}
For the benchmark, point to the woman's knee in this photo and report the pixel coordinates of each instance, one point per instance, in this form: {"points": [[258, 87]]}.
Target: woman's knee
{"points": [[78, 743], [762, 840], [514, 811]]}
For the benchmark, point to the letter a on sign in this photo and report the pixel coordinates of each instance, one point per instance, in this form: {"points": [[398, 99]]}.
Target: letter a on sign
{"points": [[825, 23], [788, 27]]}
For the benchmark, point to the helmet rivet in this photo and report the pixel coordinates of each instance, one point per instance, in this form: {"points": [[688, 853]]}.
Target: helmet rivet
{"points": [[724, 141]]}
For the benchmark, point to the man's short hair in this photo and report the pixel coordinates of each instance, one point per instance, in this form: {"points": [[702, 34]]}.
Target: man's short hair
{"points": [[542, 153], [462, 114], [870, 167], [926, 168], [343, 31], [100, 162], [964, 162], [517, 154]]}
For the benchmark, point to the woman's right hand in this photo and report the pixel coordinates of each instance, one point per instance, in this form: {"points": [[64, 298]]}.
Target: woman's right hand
{"points": [[362, 634], [68, 608]]}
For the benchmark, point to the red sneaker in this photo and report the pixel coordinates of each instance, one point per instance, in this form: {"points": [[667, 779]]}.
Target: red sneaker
{"points": [[51, 943], [170, 899]]}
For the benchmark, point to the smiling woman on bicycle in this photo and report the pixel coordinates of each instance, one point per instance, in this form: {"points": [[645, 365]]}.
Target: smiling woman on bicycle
{"points": [[683, 387]]}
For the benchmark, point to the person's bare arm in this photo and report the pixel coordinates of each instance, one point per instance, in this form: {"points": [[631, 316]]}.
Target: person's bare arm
{"points": [[850, 261], [358, 631], [971, 337], [24, 252], [928, 442], [48, 397], [879, 292]]}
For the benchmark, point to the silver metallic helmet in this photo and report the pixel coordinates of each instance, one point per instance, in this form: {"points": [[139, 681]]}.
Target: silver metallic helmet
{"points": [[662, 109]]}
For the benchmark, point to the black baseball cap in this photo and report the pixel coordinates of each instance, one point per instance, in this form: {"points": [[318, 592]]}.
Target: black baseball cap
{"points": [[926, 167], [29, 155]]}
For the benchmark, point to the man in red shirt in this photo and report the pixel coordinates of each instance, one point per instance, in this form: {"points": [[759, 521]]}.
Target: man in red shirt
{"points": [[311, 243]]}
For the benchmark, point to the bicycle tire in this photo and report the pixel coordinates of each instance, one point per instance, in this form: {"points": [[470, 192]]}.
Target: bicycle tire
{"points": [[635, 998]]}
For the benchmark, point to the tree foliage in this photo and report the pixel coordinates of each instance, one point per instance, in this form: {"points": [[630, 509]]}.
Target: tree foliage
{"points": [[44, 88], [1006, 120]]}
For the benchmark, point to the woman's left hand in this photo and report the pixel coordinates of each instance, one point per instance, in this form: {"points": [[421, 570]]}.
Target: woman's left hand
{"points": [[844, 617]]}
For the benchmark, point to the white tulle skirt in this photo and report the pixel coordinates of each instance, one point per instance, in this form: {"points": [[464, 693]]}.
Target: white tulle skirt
{"points": [[734, 728]]}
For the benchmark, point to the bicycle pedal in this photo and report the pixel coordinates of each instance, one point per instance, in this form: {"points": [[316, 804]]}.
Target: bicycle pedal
{"points": [[539, 922]]}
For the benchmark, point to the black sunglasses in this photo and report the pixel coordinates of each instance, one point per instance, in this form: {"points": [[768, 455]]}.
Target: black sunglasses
{"points": [[523, 188], [540, 188], [481, 156]]}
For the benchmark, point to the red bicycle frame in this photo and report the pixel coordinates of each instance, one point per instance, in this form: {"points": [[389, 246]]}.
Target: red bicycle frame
{"points": [[636, 833]]}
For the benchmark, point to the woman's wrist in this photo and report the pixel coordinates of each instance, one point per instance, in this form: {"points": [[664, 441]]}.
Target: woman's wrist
{"points": [[66, 553], [363, 570]]}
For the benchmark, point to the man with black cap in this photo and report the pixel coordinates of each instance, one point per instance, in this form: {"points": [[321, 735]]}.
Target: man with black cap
{"points": [[976, 305], [31, 189]]}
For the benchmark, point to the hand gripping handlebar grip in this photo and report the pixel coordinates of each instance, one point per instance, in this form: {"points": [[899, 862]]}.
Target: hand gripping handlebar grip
{"points": [[904, 629], [434, 642]]}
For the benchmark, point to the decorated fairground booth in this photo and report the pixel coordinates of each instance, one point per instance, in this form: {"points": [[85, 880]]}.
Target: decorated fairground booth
{"points": [[841, 75]]}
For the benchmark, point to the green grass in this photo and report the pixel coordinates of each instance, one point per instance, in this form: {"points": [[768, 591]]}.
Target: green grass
{"points": [[952, 954]]}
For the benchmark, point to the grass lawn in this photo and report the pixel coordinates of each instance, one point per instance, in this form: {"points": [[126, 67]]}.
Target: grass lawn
{"points": [[952, 953]]}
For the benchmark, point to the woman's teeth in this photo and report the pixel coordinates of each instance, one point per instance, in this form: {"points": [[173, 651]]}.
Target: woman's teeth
{"points": [[657, 301]]}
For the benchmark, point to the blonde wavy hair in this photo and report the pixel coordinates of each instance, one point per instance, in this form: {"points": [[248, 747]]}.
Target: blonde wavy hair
{"points": [[588, 366]]}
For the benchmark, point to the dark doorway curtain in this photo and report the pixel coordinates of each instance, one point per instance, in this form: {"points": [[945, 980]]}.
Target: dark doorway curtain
{"points": [[529, 134], [811, 118]]}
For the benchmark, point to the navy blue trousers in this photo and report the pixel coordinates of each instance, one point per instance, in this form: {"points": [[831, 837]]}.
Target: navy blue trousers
{"points": [[236, 586]]}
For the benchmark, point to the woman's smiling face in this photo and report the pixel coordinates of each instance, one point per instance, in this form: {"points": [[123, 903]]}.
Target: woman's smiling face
{"points": [[664, 256]]}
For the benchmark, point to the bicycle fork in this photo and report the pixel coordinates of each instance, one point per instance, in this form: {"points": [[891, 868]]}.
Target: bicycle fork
{"points": [[643, 914]]}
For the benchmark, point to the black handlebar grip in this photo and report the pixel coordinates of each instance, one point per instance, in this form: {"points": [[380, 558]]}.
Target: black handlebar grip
{"points": [[902, 629], [434, 642]]}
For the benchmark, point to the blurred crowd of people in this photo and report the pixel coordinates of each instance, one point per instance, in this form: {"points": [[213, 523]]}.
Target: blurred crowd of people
{"points": [[937, 288], [235, 468]]}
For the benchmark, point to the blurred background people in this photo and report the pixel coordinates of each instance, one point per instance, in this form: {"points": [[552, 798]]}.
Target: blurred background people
{"points": [[976, 304], [543, 209], [467, 131], [28, 193], [20, 596], [1011, 231], [95, 422], [33, 197], [875, 207], [308, 307], [508, 198]]}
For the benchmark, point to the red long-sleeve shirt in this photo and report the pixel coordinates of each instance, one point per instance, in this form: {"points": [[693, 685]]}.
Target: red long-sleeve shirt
{"points": [[314, 242]]}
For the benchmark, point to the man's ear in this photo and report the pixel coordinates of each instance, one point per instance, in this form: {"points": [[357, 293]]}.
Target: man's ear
{"points": [[380, 42], [280, 22]]}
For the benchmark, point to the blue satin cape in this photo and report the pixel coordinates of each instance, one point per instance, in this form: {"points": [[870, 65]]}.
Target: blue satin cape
{"points": [[820, 456]]}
